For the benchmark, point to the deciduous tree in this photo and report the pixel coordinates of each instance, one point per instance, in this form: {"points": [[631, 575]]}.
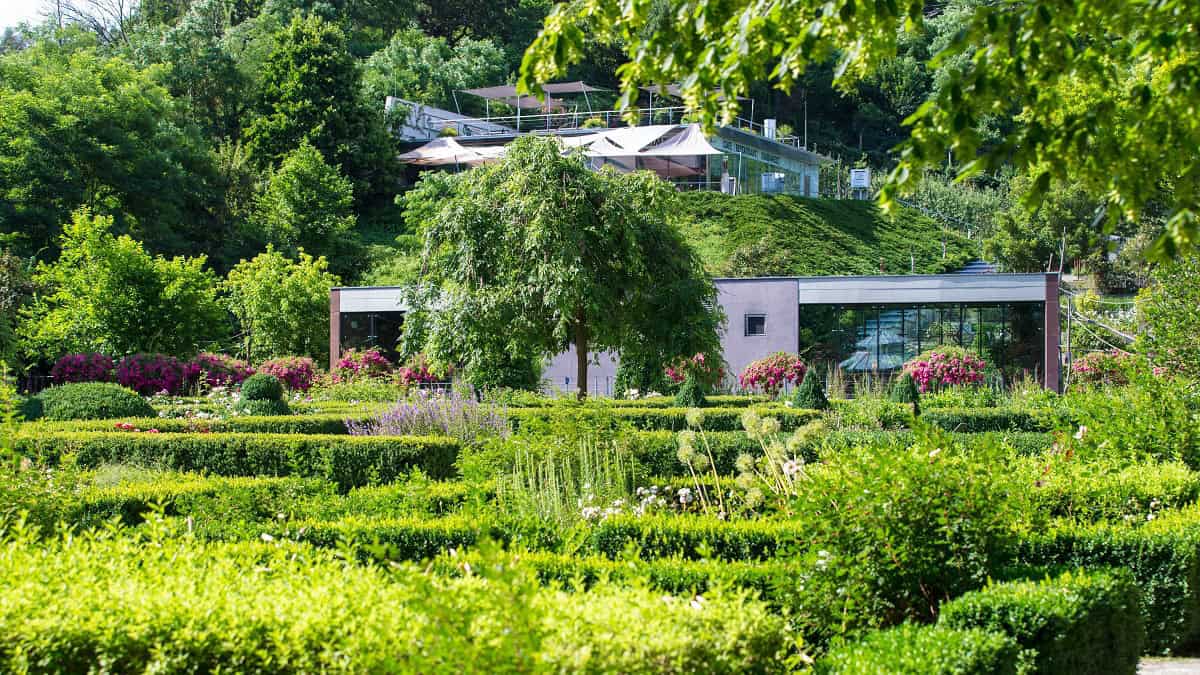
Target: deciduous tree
{"points": [[538, 252]]}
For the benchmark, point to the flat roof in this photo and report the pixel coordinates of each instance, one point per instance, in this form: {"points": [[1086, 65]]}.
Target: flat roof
{"points": [[912, 288]]}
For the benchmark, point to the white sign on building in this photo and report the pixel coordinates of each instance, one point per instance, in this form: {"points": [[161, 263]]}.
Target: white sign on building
{"points": [[860, 179]]}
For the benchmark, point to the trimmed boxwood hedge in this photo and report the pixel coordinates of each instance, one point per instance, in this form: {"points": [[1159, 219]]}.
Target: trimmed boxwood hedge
{"points": [[716, 419], [669, 419], [348, 461], [239, 499], [1079, 622], [924, 650], [185, 606], [973, 420], [1163, 556]]}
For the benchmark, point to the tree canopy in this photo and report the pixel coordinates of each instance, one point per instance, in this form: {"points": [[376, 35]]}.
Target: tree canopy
{"points": [[1104, 91], [106, 294], [538, 252]]}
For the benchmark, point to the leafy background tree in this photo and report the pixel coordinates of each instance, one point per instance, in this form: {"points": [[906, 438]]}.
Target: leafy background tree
{"points": [[1168, 308], [429, 69], [105, 293], [311, 93], [281, 305], [538, 251], [307, 205]]}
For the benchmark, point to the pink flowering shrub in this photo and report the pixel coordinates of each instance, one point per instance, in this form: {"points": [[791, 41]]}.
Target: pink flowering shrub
{"points": [[1104, 368], [149, 374], [769, 375], [945, 367], [418, 371], [90, 367], [219, 370], [297, 373], [355, 365], [709, 372]]}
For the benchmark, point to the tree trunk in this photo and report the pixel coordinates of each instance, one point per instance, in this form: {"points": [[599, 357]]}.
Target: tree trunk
{"points": [[581, 353]]}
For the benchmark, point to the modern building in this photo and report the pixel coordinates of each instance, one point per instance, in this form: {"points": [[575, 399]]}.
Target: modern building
{"points": [[746, 157], [859, 325]]}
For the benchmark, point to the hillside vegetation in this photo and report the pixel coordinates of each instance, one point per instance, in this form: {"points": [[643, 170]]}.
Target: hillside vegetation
{"points": [[779, 235]]}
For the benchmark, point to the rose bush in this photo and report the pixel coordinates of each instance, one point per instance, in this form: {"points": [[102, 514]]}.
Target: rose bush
{"points": [[418, 371], [297, 373], [220, 370], [707, 371], [945, 367], [1104, 368], [361, 365], [153, 373], [89, 367], [770, 374]]}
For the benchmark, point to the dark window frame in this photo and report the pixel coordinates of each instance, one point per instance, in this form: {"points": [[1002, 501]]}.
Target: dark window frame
{"points": [[746, 325]]}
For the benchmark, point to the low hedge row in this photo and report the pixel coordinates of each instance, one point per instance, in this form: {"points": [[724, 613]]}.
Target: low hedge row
{"points": [[237, 499], [974, 420], [924, 650], [1075, 623], [185, 606], [652, 419], [1163, 556], [348, 461], [419, 538], [716, 419]]}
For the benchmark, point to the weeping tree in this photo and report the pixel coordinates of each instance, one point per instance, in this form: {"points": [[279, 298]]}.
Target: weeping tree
{"points": [[539, 252]]}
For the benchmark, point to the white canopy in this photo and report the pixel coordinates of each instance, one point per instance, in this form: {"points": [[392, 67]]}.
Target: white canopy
{"points": [[443, 151], [690, 142]]}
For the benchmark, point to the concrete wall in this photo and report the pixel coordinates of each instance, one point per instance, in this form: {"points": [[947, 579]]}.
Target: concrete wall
{"points": [[560, 374], [773, 298]]}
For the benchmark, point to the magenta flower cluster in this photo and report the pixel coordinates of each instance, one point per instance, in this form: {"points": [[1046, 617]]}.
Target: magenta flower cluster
{"points": [[360, 365], [91, 367], [770, 374], [1103, 367], [149, 374], [220, 370], [704, 369], [417, 372], [297, 373], [945, 367]]}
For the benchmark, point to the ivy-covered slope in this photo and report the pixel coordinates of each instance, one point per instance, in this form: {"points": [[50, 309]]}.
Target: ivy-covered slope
{"points": [[778, 235]]}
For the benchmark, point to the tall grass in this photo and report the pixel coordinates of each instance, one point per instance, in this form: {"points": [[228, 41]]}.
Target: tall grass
{"points": [[564, 481]]}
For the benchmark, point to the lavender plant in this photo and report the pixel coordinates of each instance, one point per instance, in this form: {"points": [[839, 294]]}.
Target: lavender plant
{"points": [[426, 413]]}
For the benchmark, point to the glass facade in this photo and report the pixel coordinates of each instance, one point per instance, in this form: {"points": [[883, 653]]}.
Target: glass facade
{"points": [[364, 330], [861, 339]]}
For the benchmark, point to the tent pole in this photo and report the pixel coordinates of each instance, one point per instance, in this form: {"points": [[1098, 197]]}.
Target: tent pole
{"points": [[454, 95]]}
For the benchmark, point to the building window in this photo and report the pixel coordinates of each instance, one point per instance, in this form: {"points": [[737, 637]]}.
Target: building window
{"points": [[756, 324]]}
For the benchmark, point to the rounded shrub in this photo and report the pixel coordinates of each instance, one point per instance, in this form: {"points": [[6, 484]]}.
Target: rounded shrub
{"points": [[269, 407], [88, 401], [810, 394], [262, 387]]}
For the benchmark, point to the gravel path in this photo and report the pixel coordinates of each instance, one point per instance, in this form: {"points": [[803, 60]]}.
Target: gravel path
{"points": [[1156, 666]]}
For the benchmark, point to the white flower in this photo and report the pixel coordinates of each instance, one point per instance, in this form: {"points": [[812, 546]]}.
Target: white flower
{"points": [[935, 452], [792, 467], [1081, 433], [267, 537]]}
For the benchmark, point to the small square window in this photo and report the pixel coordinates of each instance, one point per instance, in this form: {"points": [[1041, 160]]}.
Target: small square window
{"points": [[756, 324]]}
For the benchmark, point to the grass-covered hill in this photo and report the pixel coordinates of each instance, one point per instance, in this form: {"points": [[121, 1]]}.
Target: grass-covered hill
{"points": [[778, 235]]}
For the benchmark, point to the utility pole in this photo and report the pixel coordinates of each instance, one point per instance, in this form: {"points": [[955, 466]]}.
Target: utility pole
{"points": [[804, 92]]}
